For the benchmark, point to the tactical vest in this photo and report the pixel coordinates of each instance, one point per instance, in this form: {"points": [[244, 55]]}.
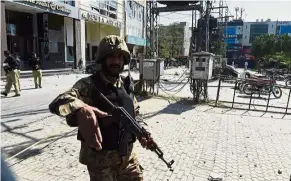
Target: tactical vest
{"points": [[111, 129]]}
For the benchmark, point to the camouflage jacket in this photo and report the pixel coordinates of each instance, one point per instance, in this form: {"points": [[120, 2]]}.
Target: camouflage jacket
{"points": [[80, 95]]}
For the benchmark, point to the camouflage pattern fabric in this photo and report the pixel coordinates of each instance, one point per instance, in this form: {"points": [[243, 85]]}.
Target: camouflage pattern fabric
{"points": [[102, 165], [112, 44], [108, 166]]}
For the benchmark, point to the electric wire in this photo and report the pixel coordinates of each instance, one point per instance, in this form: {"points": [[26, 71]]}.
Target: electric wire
{"points": [[179, 90], [169, 90]]}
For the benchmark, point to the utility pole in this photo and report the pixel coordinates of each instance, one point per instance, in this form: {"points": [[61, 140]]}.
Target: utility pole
{"points": [[208, 7], [241, 12], [236, 10]]}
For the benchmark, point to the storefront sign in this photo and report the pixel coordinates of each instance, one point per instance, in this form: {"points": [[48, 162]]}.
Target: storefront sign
{"points": [[50, 5], [284, 22], [110, 22], [135, 22], [90, 16], [45, 37], [136, 41], [101, 19]]}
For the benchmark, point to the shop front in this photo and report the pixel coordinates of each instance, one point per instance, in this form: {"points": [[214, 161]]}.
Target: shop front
{"points": [[46, 28], [97, 27]]}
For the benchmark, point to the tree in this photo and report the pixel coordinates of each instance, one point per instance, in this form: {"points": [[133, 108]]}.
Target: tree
{"points": [[171, 39], [264, 45], [272, 47], [218, 48]]}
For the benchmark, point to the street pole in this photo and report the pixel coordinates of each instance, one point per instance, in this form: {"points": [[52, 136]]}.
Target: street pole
{"points": [[207, 26], [158, 39]]}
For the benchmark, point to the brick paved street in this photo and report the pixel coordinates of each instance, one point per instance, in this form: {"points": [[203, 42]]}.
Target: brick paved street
{"points": [[201, 140], [204, 141]]}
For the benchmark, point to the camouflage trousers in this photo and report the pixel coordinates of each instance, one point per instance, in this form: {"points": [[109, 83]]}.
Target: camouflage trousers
{"points": [[109, 166]]}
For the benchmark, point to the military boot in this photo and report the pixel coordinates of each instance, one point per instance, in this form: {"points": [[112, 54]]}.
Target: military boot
{"points": [[4, 93]]}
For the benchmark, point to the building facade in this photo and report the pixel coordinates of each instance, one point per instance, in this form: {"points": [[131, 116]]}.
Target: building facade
{"points": [[99, 19], [239, 36], [43, 27], [135, 22], [60, 32], [233, 39], [283, 27], [251, 30], [187, 39]]}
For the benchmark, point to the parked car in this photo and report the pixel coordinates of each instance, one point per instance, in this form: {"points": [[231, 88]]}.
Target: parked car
{"points": [[229, 71]]}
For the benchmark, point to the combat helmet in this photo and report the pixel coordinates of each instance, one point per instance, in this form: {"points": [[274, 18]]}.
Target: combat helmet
{"points": [[111, 44]]}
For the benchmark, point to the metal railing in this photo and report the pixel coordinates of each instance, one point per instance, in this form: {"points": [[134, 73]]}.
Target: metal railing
{"points": [[251, 106]]}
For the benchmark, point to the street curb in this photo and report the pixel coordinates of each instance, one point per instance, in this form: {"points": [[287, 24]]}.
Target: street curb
{"points": [[28, 74]]}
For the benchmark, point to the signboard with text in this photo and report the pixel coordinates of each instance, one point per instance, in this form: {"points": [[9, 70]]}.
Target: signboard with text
{"points": [[135, 20], [101, 19], [52, 7]]}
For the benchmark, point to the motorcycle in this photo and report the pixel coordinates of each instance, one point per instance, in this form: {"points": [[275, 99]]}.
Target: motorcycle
{"points": [[262, 86]]}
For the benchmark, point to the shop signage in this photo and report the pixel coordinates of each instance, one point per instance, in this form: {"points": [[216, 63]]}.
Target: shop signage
{"points": [[284, 22], [136, 40], [90, 16], [45, 37], [234, 36], [135, 22], [49, 5], [101, 19]]}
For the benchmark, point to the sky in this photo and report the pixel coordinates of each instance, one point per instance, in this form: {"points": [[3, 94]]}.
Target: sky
{"points": [[259, 9]]}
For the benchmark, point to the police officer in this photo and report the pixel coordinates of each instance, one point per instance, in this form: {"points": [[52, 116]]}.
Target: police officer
{"points": [[36, 70], [10, 67], [98, 132]]}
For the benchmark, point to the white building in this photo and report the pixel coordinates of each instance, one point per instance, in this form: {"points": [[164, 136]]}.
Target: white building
{"points": [[253, 29], [135, 26], [187, 39], [99, 19]]}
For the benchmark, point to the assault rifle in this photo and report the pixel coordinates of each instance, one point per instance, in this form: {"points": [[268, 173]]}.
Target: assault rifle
{"points": [[131, 126]]}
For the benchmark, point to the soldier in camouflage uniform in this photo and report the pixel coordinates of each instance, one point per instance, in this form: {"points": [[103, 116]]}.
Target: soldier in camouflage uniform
{"points": [[98, 132]]}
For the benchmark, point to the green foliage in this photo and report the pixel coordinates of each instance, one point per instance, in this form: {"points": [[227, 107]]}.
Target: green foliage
{"points": [[219, 48], [171, 39], [273, 48]]}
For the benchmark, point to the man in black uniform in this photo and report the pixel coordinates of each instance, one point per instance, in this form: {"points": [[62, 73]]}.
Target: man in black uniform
{"points": [[10, 67], [36, 70]]}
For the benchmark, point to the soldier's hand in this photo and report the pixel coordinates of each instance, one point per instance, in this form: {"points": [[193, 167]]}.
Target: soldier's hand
{"points": [[147, 143], [143, 142], [89, 127]]}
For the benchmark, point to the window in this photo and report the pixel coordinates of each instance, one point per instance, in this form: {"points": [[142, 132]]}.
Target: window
{"points": [[200, 68], [72, 3], [113, 5], [257, 30]]}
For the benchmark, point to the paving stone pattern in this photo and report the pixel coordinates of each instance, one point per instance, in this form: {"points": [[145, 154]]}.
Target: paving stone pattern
{"points": [[205, 143]]}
